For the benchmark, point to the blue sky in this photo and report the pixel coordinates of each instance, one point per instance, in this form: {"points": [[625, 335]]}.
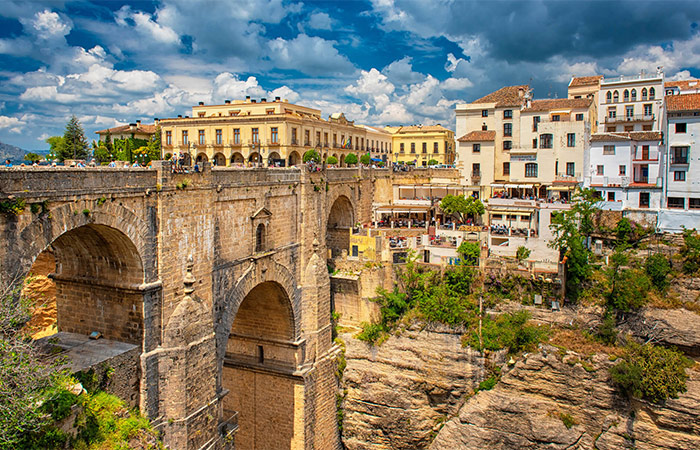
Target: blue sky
{"points": [[381, 62]]}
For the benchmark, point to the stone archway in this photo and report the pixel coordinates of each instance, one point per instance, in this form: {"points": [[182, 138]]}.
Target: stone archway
{"points": [[237, 158], [294, 159], [341, 219], [202, 157], [219, 160]]}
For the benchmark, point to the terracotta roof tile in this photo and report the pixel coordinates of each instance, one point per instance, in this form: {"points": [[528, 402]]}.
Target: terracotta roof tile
{"points": [[585, 81], [684, 85], [683, 102], [506, 96], [559, 103], [606, 137], [140, 128], [416, 128], [646, 135], [478, 136], [631, 135]]}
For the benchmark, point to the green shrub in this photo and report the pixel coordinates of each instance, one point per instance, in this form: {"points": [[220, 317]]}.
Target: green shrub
{"points": [[623, 230], [690, 252], [351, 159], [101, 201], [629, 290], [651, 372], [568, 420], [13, 207], [607, 331], [469, 252], [311, 156], [372, 333], [365, 159], [433, 162], [658, 267], [522, 253], [332, 160], [509, 331]]}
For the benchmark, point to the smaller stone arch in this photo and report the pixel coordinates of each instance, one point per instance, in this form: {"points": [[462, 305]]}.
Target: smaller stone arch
{"points": [[341, 219], [202, 157], [237, 158], [294, 158], [219, 160], [254, 157]]}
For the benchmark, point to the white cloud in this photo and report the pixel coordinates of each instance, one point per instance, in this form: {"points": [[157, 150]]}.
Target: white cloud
{"points": [[285, 93], [228, 86], [146, 26], [48, 26], [311, 55], [456, 84], [372, 83], [12, 124], [401, 72], [320, 21]]}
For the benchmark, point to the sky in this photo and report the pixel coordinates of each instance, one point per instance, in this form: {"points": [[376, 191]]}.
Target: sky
{"points": [[381, 62]]}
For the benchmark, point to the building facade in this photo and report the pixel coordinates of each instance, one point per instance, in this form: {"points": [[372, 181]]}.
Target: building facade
{"points": [[135, 130], [631, 103], [262, 133], [421, 144], [682, 189], [378, 143]]}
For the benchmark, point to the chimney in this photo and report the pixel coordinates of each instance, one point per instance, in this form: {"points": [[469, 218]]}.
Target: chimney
{"points": [[201, 103], [179, 116], [263, 100], [253, 101], [227, 102], [277, 99], [247, 98], [187, 117], [132, 126], [138, 122], [156, 121]]}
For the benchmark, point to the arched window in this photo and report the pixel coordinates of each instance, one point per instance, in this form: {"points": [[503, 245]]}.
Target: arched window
{"points": [[608, 97], [634, 95], [652, 93], [531, 170], [260, 238], [616, 96], [644, 93], [626, 95]]}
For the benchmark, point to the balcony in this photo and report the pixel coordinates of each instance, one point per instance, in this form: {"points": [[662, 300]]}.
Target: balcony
{"points": [[273, 143], [307, 144], [294, 141], [568, 177], [633, 118], [217, 144], [235, 143], [679, 160]]}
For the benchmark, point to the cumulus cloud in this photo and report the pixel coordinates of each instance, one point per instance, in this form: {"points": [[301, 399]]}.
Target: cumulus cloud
{"points": [[12, 124], [308, 54], [371, 83], [401, 72], [320, 21]]}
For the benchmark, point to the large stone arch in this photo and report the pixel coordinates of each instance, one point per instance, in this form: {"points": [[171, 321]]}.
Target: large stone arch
{"points": [[45, 229], [258, 271], [341, 217]]}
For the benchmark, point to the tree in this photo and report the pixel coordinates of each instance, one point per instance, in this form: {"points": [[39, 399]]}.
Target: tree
{"points": [[658, 267], [351, 159], [623, 230], [155, 149], [365, 159], [75, 143], [100, 152], [628, 287], [469, 252], [332, 160], [462, 206], [311, 156], [32, 157], [433, 162], [56, 145], [522, 253], [690, 251]]}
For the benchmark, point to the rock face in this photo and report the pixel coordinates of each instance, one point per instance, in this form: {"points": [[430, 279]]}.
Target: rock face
{"points": [[534, 402], [670, 327], [398, 394]]}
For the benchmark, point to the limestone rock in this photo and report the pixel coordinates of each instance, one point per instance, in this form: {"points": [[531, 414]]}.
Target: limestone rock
{"points": [[671, 327], [400, 392]]}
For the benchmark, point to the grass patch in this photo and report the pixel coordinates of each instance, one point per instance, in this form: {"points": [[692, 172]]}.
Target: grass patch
{"points": [[568, 420]]}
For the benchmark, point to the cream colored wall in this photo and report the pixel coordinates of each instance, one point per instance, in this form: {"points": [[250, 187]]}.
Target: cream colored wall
{"points": [[487, 165], [419, 138]]}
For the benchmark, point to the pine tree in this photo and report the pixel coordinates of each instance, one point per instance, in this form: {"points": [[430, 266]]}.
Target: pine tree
{"points": [[75, 143]]}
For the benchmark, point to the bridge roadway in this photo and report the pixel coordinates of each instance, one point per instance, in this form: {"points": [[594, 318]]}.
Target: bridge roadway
{"points": [[219, 278]]}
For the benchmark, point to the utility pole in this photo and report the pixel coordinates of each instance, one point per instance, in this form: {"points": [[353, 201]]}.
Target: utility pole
{"points": [[481, 313]]}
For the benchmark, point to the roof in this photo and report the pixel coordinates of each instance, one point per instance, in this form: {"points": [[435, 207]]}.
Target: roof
{"points": [[374, 129], [684, 85], [419, 128], [631, 135], [506, 96], [585, 81], [478, 136], [559, 103], [683, 102], [140, 128]]}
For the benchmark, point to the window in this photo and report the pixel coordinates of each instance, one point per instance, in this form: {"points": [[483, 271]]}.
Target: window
{"points": [[401, 150], [579, 117], [644, 93], [623, 170], [307, 137], [256, 137], [260, 238], [646, 127], [294, 136], [652, 95], [629, 127], [645, 152], [679, 155], [484, 113], [476, 170], [556, 117], [611, 196], [476, 148], [610, 129], [681, 128], [425, 147], [608, 97], [168, 137], [508, 114], [676, 202], [185, 138], [237, 135], [413, 147], [647, 109], [571, 169], [612, 112], [534, 143], [531, 170], [616, 96], [629, 111], [335, 140], [484, 127], [694, 203], [201, 137], [634, 95], [546, 141], [571, 140], [600, 170], [535, 121], [626, 95], [643, 199], [506, 168], [219, 137], [325, 139], [608, 149], [274, 135], [507, 145], [679, 175], [507, 129], [435, 147]]}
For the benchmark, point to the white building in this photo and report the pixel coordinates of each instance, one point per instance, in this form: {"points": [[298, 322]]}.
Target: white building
{"points": [[631, 103], [682, 190]]}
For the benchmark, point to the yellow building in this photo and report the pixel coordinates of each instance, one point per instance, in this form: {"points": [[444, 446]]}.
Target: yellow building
{"points": [[135, 130], [423, 143], [265, 133], [587, 87]]}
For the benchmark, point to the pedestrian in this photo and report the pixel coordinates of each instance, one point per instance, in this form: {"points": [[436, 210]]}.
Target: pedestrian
{"points": [[8, 163]]}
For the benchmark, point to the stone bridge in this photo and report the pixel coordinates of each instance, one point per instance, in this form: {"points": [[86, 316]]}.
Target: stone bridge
{"points": [[218, 278]]}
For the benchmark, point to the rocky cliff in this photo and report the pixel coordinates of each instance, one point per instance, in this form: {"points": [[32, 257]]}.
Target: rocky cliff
{"points": [[400, 393], [552, 400]]}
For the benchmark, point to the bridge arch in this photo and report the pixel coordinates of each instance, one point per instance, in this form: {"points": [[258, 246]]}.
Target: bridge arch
{"points": [[341, 219], [260, 355]]}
